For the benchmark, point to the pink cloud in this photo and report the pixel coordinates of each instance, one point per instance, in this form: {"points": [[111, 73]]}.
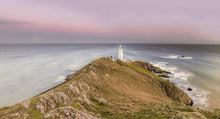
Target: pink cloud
{"points": [[119, 18]]}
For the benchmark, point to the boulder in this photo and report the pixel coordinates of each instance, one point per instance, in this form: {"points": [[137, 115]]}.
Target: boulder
{"points": [[189, 89], [102, 101]]}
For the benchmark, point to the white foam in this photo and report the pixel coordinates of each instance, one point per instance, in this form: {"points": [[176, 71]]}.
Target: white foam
{"points": [[73, 66], [60, 78], [180, 77], [176, 57]]}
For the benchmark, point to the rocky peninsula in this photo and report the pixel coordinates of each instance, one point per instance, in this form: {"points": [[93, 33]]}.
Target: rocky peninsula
{"points": [[111, 89]]}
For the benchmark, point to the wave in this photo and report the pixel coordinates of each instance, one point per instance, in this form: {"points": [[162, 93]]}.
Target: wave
{"points": [[176, 57], [73, 67], [180, 78], [60, 79]]}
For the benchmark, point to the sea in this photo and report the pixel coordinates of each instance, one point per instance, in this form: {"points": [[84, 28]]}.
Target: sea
{"points": [[29, 69]]}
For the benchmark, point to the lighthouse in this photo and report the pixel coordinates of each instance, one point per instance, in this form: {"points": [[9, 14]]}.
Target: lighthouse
{"points": [[120, 53]]}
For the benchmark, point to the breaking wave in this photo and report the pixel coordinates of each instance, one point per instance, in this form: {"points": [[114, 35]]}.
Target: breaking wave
{"points": [[176, 57], [180, 78], [60, 79], [73, 67]]}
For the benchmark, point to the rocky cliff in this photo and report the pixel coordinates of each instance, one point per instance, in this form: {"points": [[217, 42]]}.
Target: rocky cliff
{"points": [[108, 89]]}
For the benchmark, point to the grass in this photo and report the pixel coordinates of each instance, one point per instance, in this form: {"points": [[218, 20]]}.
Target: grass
{"points": [[144, 71], [126, 82], [35, 114], [215, 114]]}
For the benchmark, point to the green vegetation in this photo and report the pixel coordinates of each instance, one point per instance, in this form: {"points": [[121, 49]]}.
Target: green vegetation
{"points": [[144, 71], [215, 114], [35, 114]]}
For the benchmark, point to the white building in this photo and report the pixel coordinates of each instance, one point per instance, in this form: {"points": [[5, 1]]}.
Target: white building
{"points": [[120, 53]]}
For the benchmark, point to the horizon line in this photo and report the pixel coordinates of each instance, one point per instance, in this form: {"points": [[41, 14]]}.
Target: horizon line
{"points": [[122, 43]]}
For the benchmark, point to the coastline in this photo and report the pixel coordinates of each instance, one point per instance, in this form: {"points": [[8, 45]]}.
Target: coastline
{"points": [[77, 85], [150, 67]]}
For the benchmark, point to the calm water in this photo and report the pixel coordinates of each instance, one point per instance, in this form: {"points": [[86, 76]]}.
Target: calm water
{"points": [[28, 69]]}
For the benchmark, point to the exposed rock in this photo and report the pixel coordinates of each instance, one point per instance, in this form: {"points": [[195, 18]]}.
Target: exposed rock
{"points": [[71, 112], [69, 77], [61, 98], [93, 73], [189, 89], [74, 89], [107, 75], [157, 70], [48, 115], [50, 100], [149, 67], [177, 94], [86, 99], [84, 87], [164, 75], [41, 107], [166, 72], [25, 115], [102, 101], [144, 65], [26, 103], [120, 62], [17, 115]]}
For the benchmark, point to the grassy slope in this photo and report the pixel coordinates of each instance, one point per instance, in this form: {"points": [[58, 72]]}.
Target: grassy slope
{"points": [[108, 89]]}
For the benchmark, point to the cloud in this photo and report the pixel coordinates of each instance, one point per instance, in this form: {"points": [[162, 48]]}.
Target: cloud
{"points": [[12, 23]]}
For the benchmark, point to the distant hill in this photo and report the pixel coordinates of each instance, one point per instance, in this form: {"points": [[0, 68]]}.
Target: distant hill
{"points": [[111, 89]]}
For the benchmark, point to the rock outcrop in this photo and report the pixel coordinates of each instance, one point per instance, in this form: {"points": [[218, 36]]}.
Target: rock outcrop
{"points": [[108, 89], [176, 93], [151, 68]]}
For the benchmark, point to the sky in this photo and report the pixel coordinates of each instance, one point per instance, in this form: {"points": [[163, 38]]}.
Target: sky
{"points": [[110, 21]]}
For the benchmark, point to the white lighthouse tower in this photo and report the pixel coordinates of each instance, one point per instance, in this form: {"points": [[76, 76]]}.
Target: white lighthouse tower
{"points": [[120, 53]]}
